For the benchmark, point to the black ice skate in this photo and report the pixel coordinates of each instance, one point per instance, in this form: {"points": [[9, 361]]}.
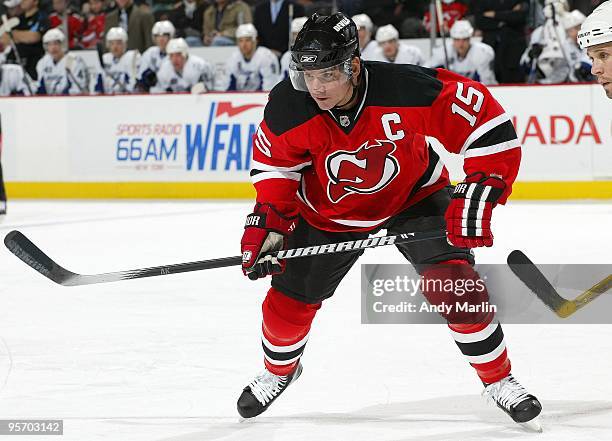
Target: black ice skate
{"points": [[513, 399], [263, 390]]}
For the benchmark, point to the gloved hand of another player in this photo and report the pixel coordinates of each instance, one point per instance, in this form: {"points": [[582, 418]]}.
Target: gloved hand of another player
{"points": [[535, 51], [468, 217], [265, 231]]}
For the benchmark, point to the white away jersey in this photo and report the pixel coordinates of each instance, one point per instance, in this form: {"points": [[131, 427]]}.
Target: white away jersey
{"points": [[551, 63], [405, 55], [369, 51], [196, 70], [151, 60], [477, 64], [12, 80], [261, 72], [122, 73], [284, 65], [68, 76]]}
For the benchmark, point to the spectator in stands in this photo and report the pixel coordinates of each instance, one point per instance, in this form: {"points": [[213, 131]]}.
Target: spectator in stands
{"points": [[250, 67], [221, 20], [471, 59], [502, 23], [395, 12], [585, 6], [296, 26], [136, 20], [451, 12], [59, 72], [182, 72], [75, 22], [151, 61], [119, 68], [33, 23], [12, 81], [188, 19], [93, 31], [391, 50], [367, 46], [271, 19]]}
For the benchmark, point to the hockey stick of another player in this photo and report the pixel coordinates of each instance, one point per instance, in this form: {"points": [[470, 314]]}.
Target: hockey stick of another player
{"points": [[32, 256], [533, 278], [8, 25], [70, 60], [440, 18]]}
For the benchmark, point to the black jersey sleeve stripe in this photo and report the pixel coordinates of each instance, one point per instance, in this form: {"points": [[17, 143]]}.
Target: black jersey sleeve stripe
{"points": [[500, 138], [433, 168], [502, 133]]}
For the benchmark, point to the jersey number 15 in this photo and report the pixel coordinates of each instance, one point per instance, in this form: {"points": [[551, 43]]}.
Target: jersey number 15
{"points": [[468, 100]]}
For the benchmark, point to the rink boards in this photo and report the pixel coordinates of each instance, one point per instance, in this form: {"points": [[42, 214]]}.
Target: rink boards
{"points": [[199, 146]]}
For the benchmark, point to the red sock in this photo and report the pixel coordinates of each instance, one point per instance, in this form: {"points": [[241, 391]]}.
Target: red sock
{"points": [[285, 328]]}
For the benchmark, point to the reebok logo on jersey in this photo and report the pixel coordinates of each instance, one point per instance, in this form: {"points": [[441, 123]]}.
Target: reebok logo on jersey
{"points": [[367, 170]]}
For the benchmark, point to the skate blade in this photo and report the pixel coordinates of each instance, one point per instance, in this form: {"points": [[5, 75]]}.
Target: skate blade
{"points": [[533, 425]]}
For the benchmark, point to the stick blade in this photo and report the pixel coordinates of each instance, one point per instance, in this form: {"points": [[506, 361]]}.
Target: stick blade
{"points": [[533, 278], [35, 258]]}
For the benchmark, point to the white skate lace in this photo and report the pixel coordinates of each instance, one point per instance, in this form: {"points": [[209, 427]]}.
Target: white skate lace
{"points": [[507, 392], [266, 386]]}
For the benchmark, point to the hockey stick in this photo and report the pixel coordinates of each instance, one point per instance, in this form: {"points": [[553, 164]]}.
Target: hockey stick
{"points": [[533, 278], [8, 25], [32, 256], [440, 19], [83, 89]]}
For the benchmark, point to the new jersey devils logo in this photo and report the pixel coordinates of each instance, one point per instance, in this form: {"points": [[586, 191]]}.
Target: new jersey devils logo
{"points": [[367, 170]]}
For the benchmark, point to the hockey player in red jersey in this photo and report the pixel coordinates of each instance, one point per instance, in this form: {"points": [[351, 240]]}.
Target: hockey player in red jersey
{"points": [[340, 154]]}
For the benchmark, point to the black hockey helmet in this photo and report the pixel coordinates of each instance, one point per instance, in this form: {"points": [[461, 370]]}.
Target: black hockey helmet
{"points": [[325, 41]]}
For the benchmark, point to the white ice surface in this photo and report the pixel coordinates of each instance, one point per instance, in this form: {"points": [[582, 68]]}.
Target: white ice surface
{"points": [[166, 358]]}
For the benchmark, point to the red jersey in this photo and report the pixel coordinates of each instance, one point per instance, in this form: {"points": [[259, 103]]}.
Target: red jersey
{"points": [[450, 14], [347, 174], [94, 31], [75, 25]]}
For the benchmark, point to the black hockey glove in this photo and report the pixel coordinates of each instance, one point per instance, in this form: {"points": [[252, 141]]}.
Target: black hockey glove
{"points": [[535, 51]]}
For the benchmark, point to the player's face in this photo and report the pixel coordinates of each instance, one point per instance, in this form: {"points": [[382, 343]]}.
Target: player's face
{"points": [[54, 48], [161, 41], [390, 48], [328, 87], [462, 46], [178, 61], [364, 37], [116, 47], [246, 46], [601, 56]]}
